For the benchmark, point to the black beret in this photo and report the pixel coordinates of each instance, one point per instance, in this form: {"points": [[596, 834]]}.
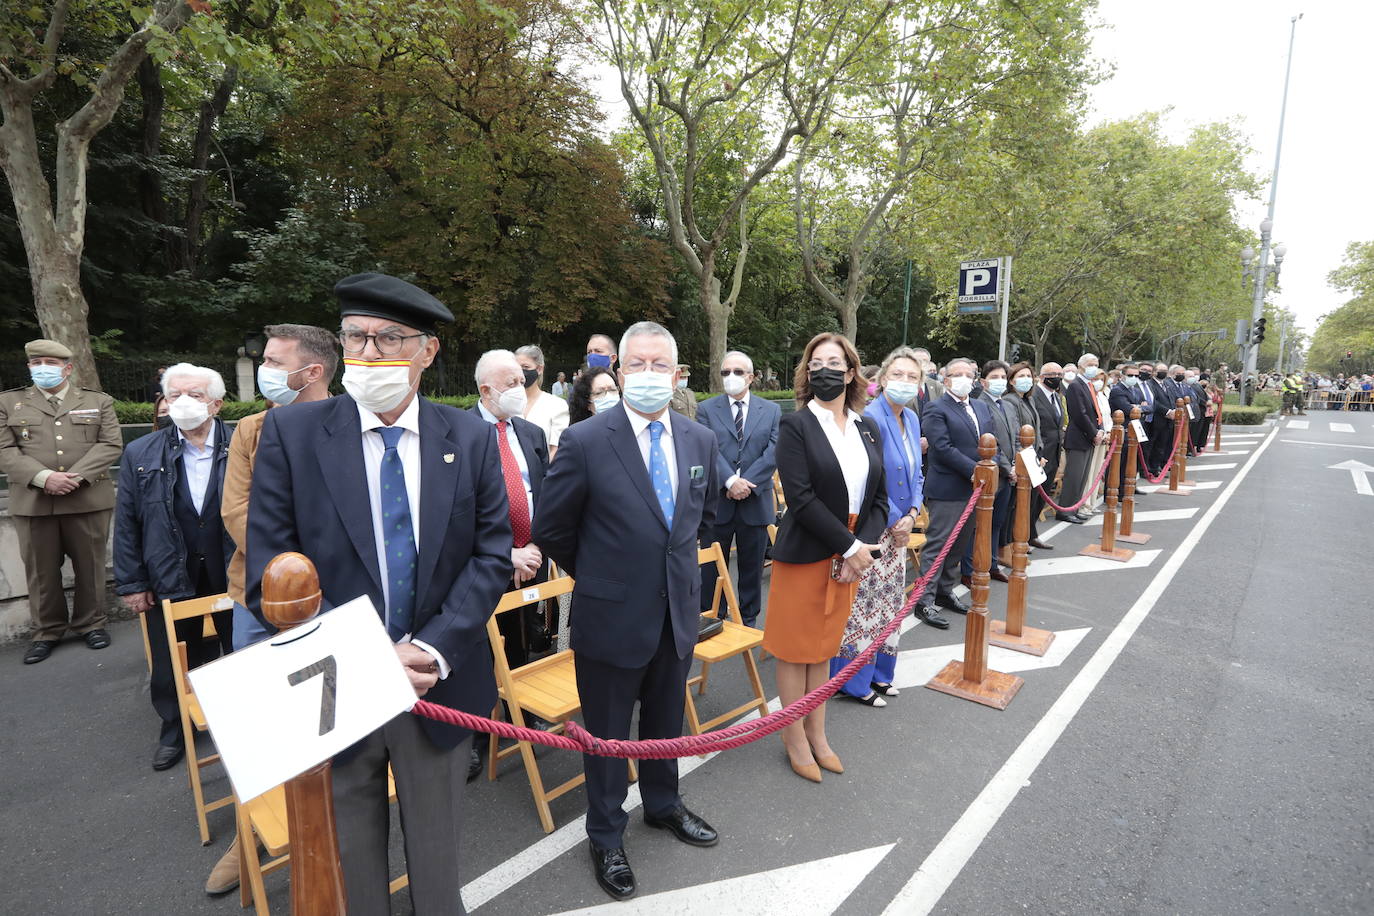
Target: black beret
{"points": [[381, 296]]}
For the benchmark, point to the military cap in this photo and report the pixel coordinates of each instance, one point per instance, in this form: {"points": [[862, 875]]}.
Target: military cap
{"points": [[35, 349], [380, 296]]}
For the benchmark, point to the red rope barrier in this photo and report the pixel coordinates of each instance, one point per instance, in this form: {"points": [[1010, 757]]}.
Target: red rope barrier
{"points": [[578, 738], [1086, 493], [1164, 471]]}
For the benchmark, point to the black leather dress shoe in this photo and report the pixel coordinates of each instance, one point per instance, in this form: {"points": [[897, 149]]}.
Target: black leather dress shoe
{"points": [[952, 603], [40, 650], [474, 763], [1039, 544], [613, 872], [686, 826], [931, 617], [166, 756], [97, 639], [997, 575], [1071, 519]]}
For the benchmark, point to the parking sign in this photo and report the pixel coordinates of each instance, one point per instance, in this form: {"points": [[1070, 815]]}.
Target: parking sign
{"points": [[978, 286]]}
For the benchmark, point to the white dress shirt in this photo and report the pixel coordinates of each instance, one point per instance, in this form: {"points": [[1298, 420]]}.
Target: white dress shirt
{"points": [[519, 452], [198, 465], [640, 425], [550, 414], [848, 446], [409, 449], [743, 401]]}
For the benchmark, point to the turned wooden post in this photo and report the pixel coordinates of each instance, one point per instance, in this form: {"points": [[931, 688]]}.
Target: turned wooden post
{"points": [[1128, 533], [1013, 633], [971, 678], [1107, 549], [291, 596], [1183, 480], [1175, 471]]}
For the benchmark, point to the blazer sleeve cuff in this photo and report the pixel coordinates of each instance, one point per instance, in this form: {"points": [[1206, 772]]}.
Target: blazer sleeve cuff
{"points": [[853, 549]]}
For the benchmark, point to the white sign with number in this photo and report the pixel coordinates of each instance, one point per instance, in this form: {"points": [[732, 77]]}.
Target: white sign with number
{"points": [[1139, 431], [279, 707], [1030, 466]]}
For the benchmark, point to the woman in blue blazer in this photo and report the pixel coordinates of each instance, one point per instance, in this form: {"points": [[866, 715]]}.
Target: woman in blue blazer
{"points": [[884, 584]]}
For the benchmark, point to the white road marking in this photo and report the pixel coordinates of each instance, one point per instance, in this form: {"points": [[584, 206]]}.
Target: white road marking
{"points": [[1359, 472], [1155, 515], [1332, 444], [808, 889], [1297, 424], [1342, 428], [1231, 437], [939, 870], [1058, 527], [1072, 565], [1200, 485], [1210, 467], [916, 666]]}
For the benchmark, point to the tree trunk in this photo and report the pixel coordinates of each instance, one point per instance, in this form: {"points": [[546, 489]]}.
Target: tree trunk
{"points": [[197, 197], [717, 323]]}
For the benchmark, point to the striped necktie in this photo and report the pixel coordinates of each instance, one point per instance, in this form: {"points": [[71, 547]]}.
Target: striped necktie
{"points": [[739, 422]]}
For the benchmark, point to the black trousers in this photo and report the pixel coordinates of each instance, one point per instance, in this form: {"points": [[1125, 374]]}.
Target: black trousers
{"points": [[608, 695], [161, 682], [751, 541]]}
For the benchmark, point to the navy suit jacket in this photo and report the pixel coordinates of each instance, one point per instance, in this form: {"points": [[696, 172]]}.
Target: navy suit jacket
{"points": [[309, 495], [953, 446], [1123, 399], [756, 460], [1083, 425], [600, 520]]}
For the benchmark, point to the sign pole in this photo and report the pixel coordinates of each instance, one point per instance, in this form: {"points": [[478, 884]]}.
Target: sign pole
{"points": [[1006, 301]]}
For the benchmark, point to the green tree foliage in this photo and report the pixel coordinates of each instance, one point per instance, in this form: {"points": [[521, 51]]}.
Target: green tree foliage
{"points": [[1349, 328]]}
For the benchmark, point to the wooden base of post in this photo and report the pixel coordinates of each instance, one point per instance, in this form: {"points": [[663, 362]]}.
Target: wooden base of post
{"points": [[995, 689], [1032, 641], [1181, 491], [1119, 554], [1135, 537]]}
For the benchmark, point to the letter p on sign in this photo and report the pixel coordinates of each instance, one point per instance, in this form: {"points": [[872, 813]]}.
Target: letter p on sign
{"points": [[975, 280]]}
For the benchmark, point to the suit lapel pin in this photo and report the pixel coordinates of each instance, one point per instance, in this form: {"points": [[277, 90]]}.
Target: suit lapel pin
{"points": [[448, 458], [696, 472]]}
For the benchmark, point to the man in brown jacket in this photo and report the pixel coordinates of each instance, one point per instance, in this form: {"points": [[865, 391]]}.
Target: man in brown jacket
{"points": [[297, 365], [57, 443]]}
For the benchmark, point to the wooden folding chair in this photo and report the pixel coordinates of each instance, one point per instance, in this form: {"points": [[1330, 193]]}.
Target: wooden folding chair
{"points": [[734, 640], [264, 819], [192, 718], [546, 688], [916, 542]]}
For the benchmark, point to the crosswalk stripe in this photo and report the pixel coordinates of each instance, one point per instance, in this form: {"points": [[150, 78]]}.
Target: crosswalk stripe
{"points": [[1342, 428]]}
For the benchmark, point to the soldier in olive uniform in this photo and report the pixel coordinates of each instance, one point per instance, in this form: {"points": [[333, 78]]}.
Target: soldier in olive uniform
{"points": [[57, 443]]}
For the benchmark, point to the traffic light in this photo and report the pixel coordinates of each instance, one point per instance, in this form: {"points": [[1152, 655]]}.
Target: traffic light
{"points": [[1257, 335], [1015, 353]]}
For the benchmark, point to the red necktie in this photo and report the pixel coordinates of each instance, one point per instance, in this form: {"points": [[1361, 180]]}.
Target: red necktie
{"points": [[515, 488]]}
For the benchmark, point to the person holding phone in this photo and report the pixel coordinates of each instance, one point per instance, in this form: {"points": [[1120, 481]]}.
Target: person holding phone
{"points": [[830, 459]]}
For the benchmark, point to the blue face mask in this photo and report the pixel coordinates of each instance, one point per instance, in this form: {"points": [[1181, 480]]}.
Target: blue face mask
{"points": [[997, 387], [902, 392], [272, 383], [46, 376], [596, 360], [648, 391], [1023, 384], [605, 402], [1130, 381]]}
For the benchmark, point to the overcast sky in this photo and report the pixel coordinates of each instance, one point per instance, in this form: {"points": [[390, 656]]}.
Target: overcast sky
{"points": [[1214, 60]]}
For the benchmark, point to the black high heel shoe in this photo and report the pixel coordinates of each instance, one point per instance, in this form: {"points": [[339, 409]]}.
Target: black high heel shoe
{"points": [[886, 690]]}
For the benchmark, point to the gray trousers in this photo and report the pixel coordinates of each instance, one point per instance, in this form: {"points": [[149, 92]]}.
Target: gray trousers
{"points": [[944, 514], [1076, 467], [429, 788]]}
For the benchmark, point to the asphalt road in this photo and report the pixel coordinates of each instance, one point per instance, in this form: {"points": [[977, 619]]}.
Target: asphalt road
{"points": [[1202, 748]]}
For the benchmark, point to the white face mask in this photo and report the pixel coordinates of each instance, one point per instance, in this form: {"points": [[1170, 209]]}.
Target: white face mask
{"points": [[1090, 372], [960, 385], [605, 402], [379, 386], [188, 413], [648, 391], [1069, 376], [512, 402], [734, 385]]}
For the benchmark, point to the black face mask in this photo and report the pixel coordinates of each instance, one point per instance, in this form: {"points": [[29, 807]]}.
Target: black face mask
{"points": [[1052, 383], [1162, 374], [933, 373], [531, 376], [1178, 377], [826, 384]]}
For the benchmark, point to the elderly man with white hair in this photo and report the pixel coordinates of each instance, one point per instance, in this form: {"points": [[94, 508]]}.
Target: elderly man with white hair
{"points": [[1086, 430], [169, 540]]}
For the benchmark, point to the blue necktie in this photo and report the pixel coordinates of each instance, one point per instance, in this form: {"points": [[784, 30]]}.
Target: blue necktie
{"points": [[398, 538], [658, 472]]}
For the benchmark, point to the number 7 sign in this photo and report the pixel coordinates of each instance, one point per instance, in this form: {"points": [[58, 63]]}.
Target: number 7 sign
{"points": [[269, 718]]}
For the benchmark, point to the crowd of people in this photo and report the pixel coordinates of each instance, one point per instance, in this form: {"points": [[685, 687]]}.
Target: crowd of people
{"points": [[616, 476]]}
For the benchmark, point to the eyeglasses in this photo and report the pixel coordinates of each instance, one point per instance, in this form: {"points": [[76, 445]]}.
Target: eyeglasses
{"points": [[726, 373], [638, 365], [899, 375], [833, 363], [388, 343]]}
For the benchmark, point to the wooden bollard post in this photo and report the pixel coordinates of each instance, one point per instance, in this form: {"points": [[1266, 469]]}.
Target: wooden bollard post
{"points": [[291, 596], [1175, 472], [1128, 534], [1013, 632], [1107, 549], [971, 679], [1183, 480]]}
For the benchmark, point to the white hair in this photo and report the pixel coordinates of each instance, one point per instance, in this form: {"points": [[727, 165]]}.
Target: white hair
{"points": [[961, 359], [214, 382], [744, 356], [1087, 356], [646, 329], [491, 360], [533, 352]]}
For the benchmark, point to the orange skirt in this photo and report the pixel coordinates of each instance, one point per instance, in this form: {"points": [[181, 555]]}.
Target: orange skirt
{"points": [[807, 611]]}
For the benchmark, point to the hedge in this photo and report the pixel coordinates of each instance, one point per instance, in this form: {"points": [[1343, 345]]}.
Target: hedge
{"points": [[1238, 415], [785, 395], [142, 412], [1266, 399]]}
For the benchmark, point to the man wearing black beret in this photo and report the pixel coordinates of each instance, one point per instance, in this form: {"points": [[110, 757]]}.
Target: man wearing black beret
{"points": [[400, 499]]}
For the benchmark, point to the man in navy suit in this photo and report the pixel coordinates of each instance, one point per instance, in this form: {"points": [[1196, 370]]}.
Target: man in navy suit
{"points": [[402, 500], [1155, 378], [952, 425], [746, 429], [630, 495], [1129, 393]]}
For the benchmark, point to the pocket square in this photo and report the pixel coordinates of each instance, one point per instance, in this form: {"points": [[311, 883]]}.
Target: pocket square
{"points": [[697, 472]]}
